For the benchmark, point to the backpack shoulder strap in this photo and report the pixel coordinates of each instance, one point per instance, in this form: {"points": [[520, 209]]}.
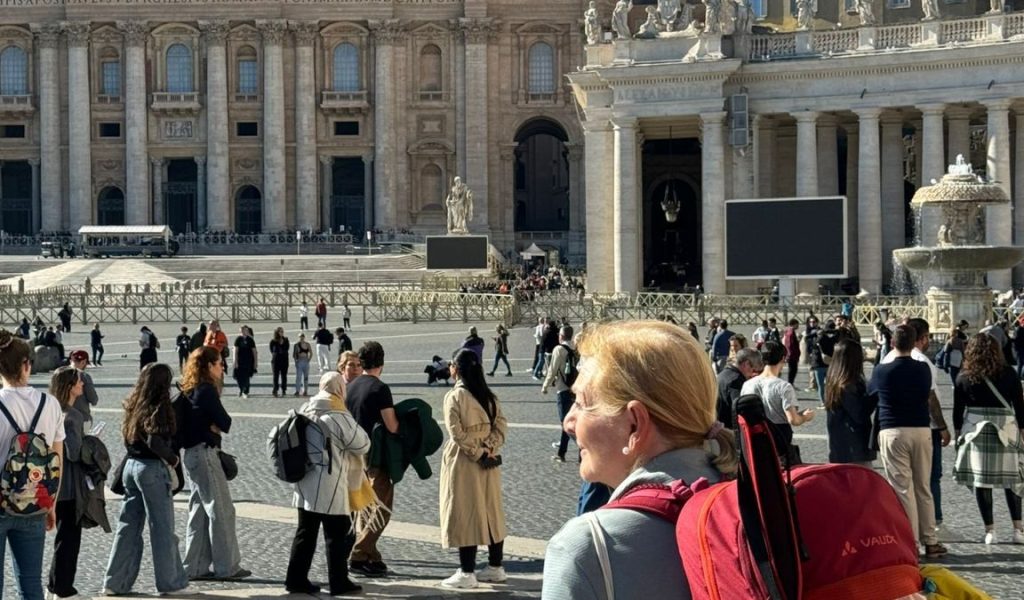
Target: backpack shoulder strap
{"points": [[10, 419], [39, 413], [659, 500], [601, 548]]}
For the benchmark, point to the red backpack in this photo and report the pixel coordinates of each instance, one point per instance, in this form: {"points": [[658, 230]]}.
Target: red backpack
{"points": [[845, 537]]}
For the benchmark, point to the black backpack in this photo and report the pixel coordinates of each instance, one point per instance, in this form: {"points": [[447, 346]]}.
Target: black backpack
{"points": [[286, 446], [571, 369]]}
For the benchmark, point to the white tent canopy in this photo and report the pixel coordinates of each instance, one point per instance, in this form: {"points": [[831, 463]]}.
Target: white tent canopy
{"points": [[125, 230], [533, 251]]}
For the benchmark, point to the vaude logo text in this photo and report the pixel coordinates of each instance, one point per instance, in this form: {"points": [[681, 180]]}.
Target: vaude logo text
{"points": [[869, 542]]}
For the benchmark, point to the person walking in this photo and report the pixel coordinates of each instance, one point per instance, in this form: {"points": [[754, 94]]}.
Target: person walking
{"points": [[324, 339], [65, 315], [66, 386], [720, 345], [778, 395], [218, 340], [246, 359], [279, 347], [148, 432], [211, 515], [148, 344], [954, 348], [184, 345], [344, 342], [988, 413], [563, 392], [304, 317], [902, 387], [475, 343], [470, 499], [96, 343], [26, 536], [321, 313], [370, 401], [501, 349], [89, 397], [538, 351], [791, 343], [730, 380], [198, 338], [335, 449], [302, 353], [848, 407], [346, 316], [24, 329]]}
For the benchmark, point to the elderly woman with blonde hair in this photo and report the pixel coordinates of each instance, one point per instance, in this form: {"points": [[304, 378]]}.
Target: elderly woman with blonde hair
{"points": [[644, 413]]}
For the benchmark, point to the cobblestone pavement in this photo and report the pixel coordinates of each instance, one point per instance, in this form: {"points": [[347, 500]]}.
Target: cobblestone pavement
{"points": [[540, 494]]}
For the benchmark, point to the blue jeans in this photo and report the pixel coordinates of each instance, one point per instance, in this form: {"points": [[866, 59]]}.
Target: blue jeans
{"points": [[301, 375], [953, 372], [147, 499], [936, 477], [27, 538], [497, 359], [211, 517], [819, 378], [565, 401], [538, 369]]}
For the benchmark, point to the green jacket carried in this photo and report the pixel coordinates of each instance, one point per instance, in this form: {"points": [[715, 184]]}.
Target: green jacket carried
{"points": [[418, 437]]}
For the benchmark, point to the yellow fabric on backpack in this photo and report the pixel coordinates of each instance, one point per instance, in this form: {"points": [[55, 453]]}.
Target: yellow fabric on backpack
{"points": [[947, 585]]}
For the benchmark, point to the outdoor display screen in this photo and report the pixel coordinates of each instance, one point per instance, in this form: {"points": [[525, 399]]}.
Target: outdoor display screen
{"points": [[786, 237], [457, 252]]}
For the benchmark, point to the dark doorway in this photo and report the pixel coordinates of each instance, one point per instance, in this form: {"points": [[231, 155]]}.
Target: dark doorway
{"points": [[248, 211], [348, 196], [541, 177], [673, 251], [16, 197], [110, 207], [180, 195]]}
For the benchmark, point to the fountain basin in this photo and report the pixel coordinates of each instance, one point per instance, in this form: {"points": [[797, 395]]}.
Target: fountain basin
{"points": [[960, 258]]}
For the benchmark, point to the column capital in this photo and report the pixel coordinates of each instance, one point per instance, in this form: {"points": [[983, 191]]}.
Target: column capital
{"points": [[596, 126], [620, 123], [157, 162], [34, 163], [806, 116], [214, 32], [478, 31], [935, 109], [890, 117], [47, 34], [367, 157], [135, 32], [326, 160], [77, 32], [305, 32], [713, 118], [272, 30], [762, 121], [998, 104], [867, 113], [200, 161], [958, 111], [387, 31]]}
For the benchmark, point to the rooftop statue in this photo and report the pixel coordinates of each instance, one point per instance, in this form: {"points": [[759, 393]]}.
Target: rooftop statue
{"points": [[712, 16], [668, 13], [620, 19], [649, 29], [805, 11], [931, 10], [866, 12], [592, 22]]}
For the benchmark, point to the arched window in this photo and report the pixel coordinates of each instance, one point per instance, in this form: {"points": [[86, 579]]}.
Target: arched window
{"points": [[248, 73], [542, 69], [110, 72], [110, 207], [432, 188], [179, 69], [431, 79], [541, 182], [248, 211], [346, 68], [13, 72]]}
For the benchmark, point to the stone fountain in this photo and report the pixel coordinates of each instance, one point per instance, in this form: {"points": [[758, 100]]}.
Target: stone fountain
{"points": [[957, 264]]}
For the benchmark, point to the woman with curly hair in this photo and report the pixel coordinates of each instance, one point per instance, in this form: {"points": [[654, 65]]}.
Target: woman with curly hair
{"points": [[988, 413], [211, 516], [148, 431]]}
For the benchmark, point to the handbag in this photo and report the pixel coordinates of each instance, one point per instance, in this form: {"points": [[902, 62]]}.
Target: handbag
{"points": [[229, 463], [117, 477]]}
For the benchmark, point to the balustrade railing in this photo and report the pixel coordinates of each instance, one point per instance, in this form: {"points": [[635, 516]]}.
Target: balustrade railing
{"points": [[898, 36], [835, 42], [964, 30], [1014, 25], [767, 47]]}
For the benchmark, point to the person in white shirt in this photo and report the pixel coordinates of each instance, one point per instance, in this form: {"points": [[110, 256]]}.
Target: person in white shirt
{"points": [[304, 317]]}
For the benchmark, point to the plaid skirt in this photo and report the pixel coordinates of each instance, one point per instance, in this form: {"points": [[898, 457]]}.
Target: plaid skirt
{"points": [[990, 453]]}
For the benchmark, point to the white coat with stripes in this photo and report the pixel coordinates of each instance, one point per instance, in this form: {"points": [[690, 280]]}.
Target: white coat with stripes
{"points": [[324, 489]]}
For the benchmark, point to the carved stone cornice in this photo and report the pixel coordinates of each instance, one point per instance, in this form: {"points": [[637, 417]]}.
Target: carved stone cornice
{"points": [[478, 31], [135, 32], [272, 30], [47, 34], [305, 32], [387, 31], [214, 32], [77, 32]]}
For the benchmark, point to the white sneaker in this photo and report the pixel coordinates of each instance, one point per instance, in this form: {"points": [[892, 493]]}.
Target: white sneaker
{"points": [[182, 592], [109, 592], [1018, 536], [491, 574], [990, 538], [460, 581]]}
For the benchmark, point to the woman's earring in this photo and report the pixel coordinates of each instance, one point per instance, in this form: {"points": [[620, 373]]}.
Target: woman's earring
{"points": [[625, 450]]}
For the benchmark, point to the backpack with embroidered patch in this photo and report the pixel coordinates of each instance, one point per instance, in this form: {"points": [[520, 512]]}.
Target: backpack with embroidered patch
{"points": [[793, 537], [286, 446], [571, 369], [31, 473]]}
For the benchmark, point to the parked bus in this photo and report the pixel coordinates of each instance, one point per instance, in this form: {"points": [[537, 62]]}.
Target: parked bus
{"points": [[126, 240]]}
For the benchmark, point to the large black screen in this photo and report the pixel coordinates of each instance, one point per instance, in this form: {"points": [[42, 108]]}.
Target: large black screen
{"points": [[786, 237], [457, 252]]}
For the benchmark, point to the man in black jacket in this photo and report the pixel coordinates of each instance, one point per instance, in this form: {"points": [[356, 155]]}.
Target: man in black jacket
{"points": [[730, 381]]}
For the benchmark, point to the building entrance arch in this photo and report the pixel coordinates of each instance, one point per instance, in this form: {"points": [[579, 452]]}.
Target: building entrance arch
{"points": [[248, 210], [673, 250], [110, 206], [541, 182]]}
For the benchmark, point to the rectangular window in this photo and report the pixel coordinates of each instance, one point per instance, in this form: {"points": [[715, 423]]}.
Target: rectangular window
{"points": [[247, 129], [11, 132], [346, 128], [110, 130], [111, 78], [760, 8], [248, 77], [899, 3]]}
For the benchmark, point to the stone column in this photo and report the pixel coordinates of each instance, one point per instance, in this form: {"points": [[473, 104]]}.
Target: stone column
{"points": [[159, 216], [828, 156], [958, 119], [932, 158], [713, 202], [274, 174], [136, 148], [1000, 217], [326, 191], [52, 163], [893, 203], [476, 33], [624, 214], [1018, 193], [36, 203], [460, 100], [305, 125], [764, 147], [852, 194], [79, 125], [217, 214], [599, 149], [806, 153], [367, 188], [200, 223], [869, 201], [386, 34]]}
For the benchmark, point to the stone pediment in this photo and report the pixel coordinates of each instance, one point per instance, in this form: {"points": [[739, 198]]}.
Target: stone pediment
{"points": [[9, 31], [107, 34], [536, 27], [342, 29], [244, 33], [175, 29], [435, 147], [431, 31]]}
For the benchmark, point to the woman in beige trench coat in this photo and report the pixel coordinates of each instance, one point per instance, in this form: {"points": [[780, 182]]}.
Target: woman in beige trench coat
{"points": [[472, 514]]}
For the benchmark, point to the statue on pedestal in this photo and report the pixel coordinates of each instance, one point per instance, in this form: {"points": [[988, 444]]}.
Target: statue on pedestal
{"points": [[620, 19], [712, 16], [744, 17], [592, 23], [460, 207], [668, 12], [931, 10], [805, 10], [995, 6], [866, 12], [649, 29]]}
